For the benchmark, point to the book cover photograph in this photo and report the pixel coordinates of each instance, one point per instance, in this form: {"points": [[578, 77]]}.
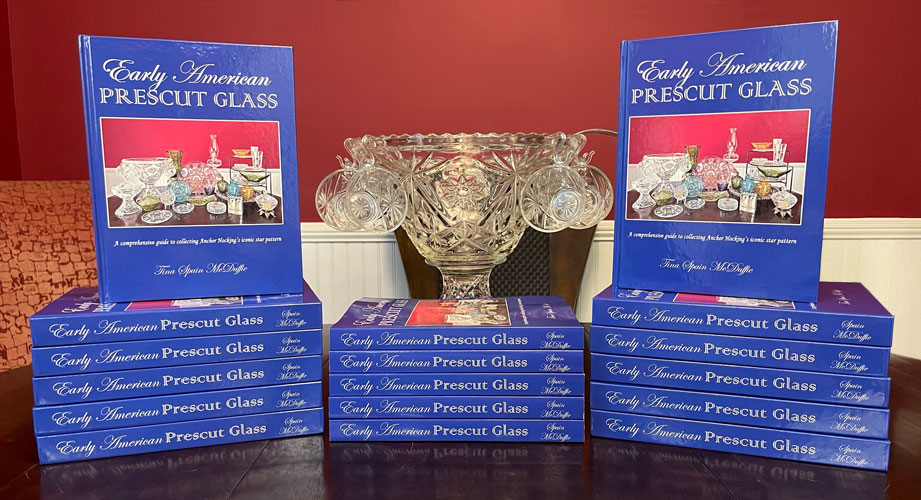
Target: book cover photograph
{"points": [[518, 314], [193, 167], [722, 161], [460, 312]]}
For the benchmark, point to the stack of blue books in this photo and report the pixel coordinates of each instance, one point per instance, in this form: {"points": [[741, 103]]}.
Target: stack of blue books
{"points": [[802, 381], [494, 369], [124, 378], [723, 158]]}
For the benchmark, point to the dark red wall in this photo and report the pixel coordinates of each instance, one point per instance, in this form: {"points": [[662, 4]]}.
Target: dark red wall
{"points": [[385, 66], [9, 143]]}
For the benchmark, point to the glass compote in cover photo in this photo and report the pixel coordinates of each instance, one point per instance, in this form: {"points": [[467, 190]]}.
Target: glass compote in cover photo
{"points": [[146, 171], [659, 174], [465, 199]]}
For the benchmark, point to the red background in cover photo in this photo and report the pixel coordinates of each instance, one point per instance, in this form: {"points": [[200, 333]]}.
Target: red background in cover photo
{"points": [[435, 312], [132, 138], [670, 134]]}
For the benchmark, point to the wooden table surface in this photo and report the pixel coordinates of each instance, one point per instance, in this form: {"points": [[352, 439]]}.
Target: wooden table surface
{"points": [[311, 467]]}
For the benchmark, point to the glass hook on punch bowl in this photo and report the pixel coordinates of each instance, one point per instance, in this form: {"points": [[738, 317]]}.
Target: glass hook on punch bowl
{"points": [[464, 199], [599, 193]]}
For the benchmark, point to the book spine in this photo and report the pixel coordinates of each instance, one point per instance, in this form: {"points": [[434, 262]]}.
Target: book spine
{"points": [[174, 436], [123, 326], [93, 131], [175, 408], [452, 407], [442, 338], [474, 384], [456, 361], [746, 321], [623, 149], [91, 358], [768, 353], [742, 410], [105, 386], [774, 443], [764, 382], [542, 431]]}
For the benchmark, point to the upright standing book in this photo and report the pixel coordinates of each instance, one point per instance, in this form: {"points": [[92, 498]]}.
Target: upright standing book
{"points": [[723, 157], [193, 168]]}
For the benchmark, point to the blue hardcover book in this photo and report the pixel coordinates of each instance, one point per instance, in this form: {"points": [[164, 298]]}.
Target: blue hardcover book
{"points": [[845, 313], [79, 317], [193, 168], [456, 384], [90, 358], [742, 410], [537, 431], [732, 350], [451, 407], [456, 361], [175, 408], [722, 161], [774, 443], [494, 323], [125, 384], [178, 435], [746, 380]]}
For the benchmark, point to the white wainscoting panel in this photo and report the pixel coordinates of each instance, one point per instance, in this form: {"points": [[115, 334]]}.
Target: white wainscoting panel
{"points": [[344, 267], [883, 254]]}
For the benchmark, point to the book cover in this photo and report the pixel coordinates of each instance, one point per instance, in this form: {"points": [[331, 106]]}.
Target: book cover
{"points": [[749, 351], [175, 408], [91, 358], [452, 407], [774, 443], [107, 386], [456, 361], [752, 381], [531, 322], [80, 317], [193, 167], [179, 435], [722, 161], [742, 410], [845, 313], [538, 431], [455, 384]]}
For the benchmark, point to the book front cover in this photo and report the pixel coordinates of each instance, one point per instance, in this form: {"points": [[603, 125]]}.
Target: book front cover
{"points": [[193, 168], [722, 161]]}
